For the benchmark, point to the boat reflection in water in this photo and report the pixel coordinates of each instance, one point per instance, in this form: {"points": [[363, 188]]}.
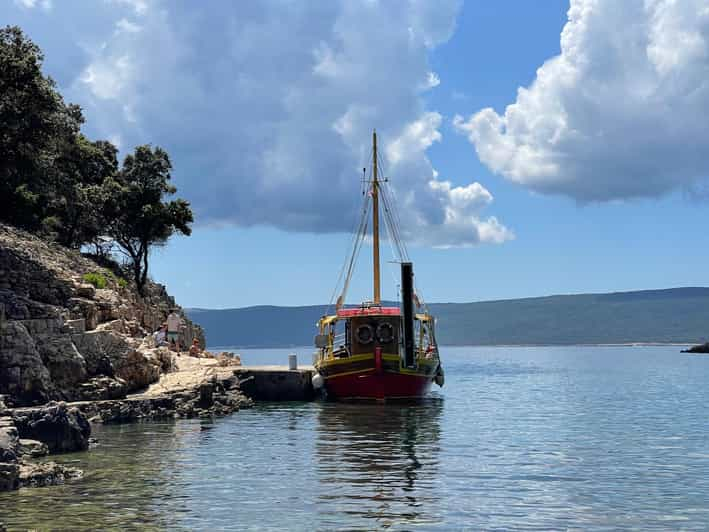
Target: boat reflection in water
{"points": [[379, 461]]}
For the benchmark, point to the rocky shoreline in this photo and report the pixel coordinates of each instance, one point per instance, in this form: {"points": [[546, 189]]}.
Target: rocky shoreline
{"points": [[73, 354], [29, 433], [703, 348], [64, 339], [54, 428]]}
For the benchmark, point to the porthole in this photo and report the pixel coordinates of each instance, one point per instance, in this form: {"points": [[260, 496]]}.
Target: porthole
{"points": [[385, 333], [364, 334]]}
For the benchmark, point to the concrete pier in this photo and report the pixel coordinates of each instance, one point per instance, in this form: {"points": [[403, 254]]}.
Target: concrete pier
{"points": [[276, 383]]}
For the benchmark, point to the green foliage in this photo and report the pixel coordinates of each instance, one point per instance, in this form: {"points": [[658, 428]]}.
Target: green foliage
{"points": [[100, 279], [55, 181], [96, 278], [34, 122], [138, 216], [79, 173]]}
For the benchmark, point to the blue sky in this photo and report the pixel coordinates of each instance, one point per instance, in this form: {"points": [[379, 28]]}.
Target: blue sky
{"points": [[594, 180]]}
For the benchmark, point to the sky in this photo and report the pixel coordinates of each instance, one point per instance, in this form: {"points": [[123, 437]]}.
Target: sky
{"points": [[534, 148]]}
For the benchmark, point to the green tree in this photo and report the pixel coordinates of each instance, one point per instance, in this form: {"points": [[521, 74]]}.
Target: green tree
{"points": [[79, 172], [33, 120], [138, 217]]}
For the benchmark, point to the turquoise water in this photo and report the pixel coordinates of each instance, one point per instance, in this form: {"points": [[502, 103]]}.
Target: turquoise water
{"points": [[527, 438]]}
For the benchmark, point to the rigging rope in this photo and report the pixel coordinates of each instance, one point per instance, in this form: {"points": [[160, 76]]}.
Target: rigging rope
{"points": [[359, 239], [392, 225]]}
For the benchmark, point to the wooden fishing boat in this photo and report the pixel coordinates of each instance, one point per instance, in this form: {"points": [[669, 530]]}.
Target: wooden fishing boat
{"points": [[375, 351]]}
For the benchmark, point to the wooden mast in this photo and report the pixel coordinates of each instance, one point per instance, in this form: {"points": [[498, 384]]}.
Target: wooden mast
{"points": [[375, 221]]}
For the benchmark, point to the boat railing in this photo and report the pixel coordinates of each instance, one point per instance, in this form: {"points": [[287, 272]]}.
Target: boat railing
{"points": [[425, 352], [339, 339], [338, 348]]}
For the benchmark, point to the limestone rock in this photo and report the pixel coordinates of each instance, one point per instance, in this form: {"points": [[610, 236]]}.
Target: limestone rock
{"points": [[102, 388], [48, 318], [32, 448], [84, 308], [117, 326], [86, 291], [62, 429], [206, 394], [9, 440], [9, 476], [139, 368], [23, 374], [210, 398], [75, 326], [101, 350], [66, 366], [34, 474]]}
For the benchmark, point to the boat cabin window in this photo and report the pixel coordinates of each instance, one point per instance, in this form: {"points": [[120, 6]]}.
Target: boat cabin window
{"points": [[341, 339]]}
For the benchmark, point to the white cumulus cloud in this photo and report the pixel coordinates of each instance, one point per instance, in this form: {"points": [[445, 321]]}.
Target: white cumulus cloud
{"points": [[267, 108], [620, 113]]}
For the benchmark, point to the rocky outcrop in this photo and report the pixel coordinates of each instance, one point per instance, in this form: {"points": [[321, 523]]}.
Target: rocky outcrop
{"points": [[63, 339], [703, 348], [35, 432], [61, 428], [215, 397], [30, 432]]}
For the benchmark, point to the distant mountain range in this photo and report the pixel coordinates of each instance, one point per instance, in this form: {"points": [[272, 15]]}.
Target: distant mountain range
{"points": [[675, 315]]}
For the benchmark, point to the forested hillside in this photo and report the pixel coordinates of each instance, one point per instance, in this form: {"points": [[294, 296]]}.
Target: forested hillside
{"points": [[673, 315]]}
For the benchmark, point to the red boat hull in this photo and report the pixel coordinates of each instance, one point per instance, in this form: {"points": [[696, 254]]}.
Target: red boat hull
{"points": [[380, 386]]}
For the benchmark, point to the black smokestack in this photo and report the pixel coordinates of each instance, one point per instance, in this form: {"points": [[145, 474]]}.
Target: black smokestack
{"points": [[407, 307]]}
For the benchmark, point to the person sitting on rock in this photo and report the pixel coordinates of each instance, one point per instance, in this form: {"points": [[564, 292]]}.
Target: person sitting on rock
{"points": [[195, 349], [160, 335]]}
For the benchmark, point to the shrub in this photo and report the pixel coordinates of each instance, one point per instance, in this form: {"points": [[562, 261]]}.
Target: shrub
{"points": [[97, 279], [122, 282]]}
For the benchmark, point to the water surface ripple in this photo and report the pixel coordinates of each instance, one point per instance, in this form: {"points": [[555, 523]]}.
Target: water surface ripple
{"points": [[519, 438]]}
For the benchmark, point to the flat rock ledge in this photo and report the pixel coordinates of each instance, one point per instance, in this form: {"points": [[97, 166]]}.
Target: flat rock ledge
{"points": [[215, 397]]}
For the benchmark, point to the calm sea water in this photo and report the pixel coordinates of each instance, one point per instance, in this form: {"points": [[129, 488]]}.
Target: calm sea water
{"points": [[531, 438]]}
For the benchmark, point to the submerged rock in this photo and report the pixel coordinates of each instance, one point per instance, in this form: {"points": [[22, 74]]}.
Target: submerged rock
{"points": [[36, 474]]}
